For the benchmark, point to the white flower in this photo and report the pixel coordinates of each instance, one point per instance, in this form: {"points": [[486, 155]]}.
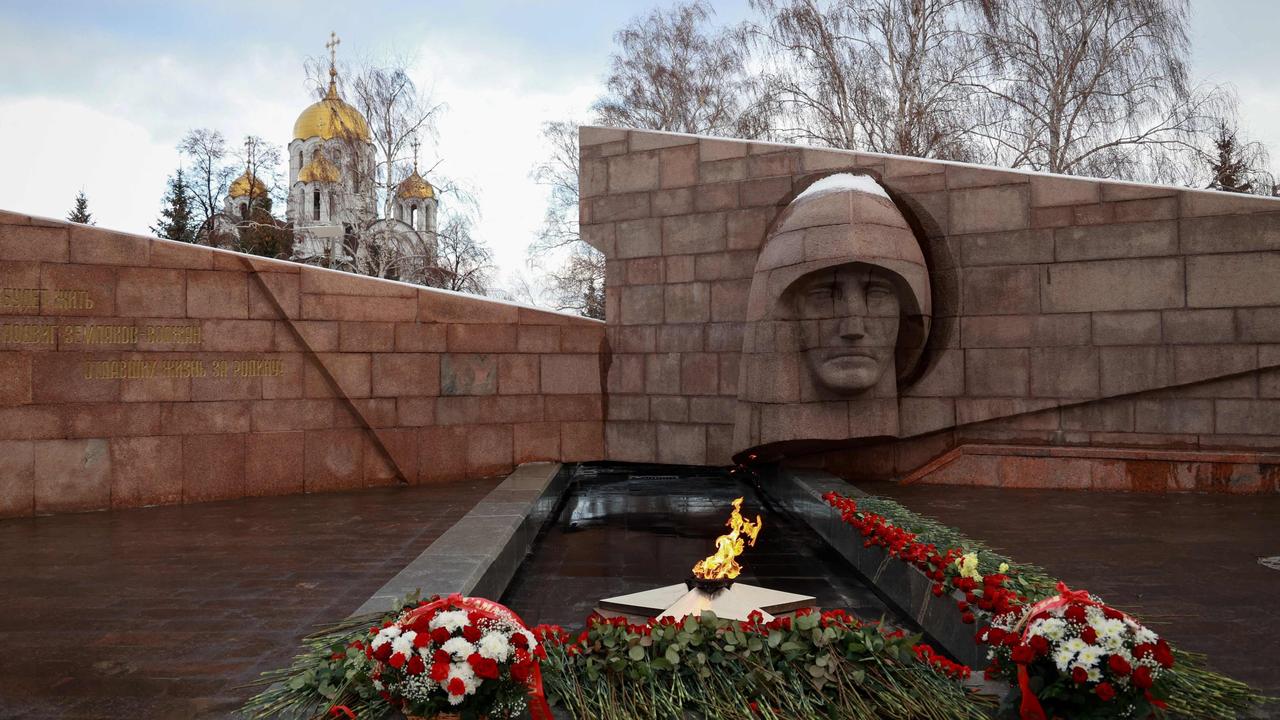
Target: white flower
{"points": [[1094, 674], [1053, 628], [459, 648], [495, 647], [404, 643], [1089, 656], [470, 682], [1108, 628], [1075, 645], [451, 620], [1062, 658], [1144, 635], [384, 636]]}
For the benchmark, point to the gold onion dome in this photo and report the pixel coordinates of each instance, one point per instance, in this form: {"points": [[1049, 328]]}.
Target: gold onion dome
{"points": [[319, 170], [331, 118], [415, 186], [245, 184]]}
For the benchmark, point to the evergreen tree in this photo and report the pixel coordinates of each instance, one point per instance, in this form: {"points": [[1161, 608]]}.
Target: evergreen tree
{"points": [[1231, 171], [80, 213], [176, 220]]}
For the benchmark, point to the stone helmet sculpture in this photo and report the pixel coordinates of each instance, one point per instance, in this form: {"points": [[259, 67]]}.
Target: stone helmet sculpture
{"points": [[838, 314]]}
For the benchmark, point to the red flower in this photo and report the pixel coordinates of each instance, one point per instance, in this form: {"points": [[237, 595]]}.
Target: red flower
{"points": [[383, 652], [1023, 654], [456, 687], [1143, 650], [967, 617], [1079, 675], [483, 666], [471, 633], [397, 660], [1075, 613], [519, 640], [520, 671], [1105, 691], [1119, 665], [1040, 645], [440, 671], [937, 589], [1142, 677], [440, 635], [1164, 655], [1089, 635], [422, 639], [416, 666]]}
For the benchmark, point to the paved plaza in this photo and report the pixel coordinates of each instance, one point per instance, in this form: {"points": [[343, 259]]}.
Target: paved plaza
{"points": [[165, 612]]}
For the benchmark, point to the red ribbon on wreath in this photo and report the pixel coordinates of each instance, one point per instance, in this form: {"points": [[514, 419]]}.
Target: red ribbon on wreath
{"points": [[538, 707]]}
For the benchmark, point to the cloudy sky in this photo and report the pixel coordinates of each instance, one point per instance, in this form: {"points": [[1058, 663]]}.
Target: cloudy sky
{"points": [[94, 95]]}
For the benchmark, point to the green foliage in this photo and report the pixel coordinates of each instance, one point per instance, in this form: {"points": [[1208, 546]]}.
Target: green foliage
{"points": [[80, 212], [814, 667]]}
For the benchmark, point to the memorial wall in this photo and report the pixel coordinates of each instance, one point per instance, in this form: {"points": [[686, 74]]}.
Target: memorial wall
{"points": [[1036, 330], [139, 371]]}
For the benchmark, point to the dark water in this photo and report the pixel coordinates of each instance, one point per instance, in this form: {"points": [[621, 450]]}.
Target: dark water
{"points": [[624, 529]]}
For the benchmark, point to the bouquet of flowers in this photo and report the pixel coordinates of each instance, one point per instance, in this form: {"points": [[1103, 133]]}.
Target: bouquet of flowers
{"points": [[464, 656], [1071, 656]]}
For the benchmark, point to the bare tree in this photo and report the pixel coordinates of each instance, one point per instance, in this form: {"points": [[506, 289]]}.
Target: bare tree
{"points": [[463, 263], [881, 75], [261, 159], [208, 175], [1092, 87], [672, 71], [576, 273]]}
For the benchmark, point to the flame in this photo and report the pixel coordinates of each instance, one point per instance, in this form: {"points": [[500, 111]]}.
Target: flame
{"points": [[723, 565]]}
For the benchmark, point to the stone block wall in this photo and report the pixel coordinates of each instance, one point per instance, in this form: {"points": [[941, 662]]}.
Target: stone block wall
{"points": [[137, 371], [1067, 311]]}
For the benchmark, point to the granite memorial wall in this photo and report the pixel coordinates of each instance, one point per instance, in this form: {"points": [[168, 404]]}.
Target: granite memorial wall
{"points": [[139, 371], [1077, 332]]}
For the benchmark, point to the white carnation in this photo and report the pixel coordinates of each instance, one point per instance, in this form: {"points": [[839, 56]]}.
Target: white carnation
{"points": [[1145, 636], [404, 643], [451, 620], [470, 682], [495, 647], [459, 648]]}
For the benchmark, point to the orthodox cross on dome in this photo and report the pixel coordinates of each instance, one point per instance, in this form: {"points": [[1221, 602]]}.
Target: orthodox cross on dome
{"points": [[414, 142], [332, 46]]}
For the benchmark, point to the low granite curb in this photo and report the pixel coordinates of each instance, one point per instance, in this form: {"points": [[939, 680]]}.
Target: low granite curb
{"points": [[901, 585], [482, 551]]}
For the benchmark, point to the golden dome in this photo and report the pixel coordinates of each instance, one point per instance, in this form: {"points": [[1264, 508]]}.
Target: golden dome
{"points": [[415, 186], [245, 184], [319, 170], [331, 118]]}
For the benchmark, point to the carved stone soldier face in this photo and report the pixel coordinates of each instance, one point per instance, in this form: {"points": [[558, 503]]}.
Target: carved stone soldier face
{"points": [[849, 317]]}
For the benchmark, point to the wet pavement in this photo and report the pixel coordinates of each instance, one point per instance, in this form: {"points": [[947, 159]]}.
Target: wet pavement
{"points": [[629, 529], [1185, 563], [163, 612]]}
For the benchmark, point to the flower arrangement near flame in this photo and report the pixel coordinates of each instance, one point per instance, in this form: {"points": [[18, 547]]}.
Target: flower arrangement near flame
{"points": [[1071, 656]]}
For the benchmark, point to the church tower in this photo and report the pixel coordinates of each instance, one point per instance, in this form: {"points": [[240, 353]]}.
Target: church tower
{"points": [[415, 202], [332, 193]]}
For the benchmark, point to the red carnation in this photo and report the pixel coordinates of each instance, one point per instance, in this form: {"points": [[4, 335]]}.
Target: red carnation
{"points": [[1075, 613], [1089, 635], [967, 617], [1105, 691], [422, 639], [483, 666], [471, 633], [520, 671], [1119, 665], [440, 671], [416, 666], [1023, 654], [1039, 644], [995, 635], [1164, 654], [383, 652], [1142, 677], [440, 635], [1143, 650], [1079, 674], [1112, 613], [457, 687], [397, 660], [440, 656], [519, 640]]}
